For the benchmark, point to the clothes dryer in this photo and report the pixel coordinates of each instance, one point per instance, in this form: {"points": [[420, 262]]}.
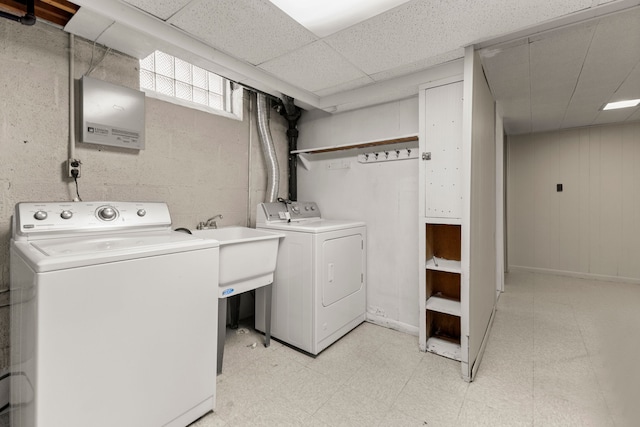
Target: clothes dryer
{"points": [[319, 290]]}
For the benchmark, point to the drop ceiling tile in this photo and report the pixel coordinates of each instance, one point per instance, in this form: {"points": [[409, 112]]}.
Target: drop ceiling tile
{"points": [[634, 116], [546, 116], [507, 70], [352, 84], [422, 29], [402, 36], [579, 57], [162, 9], [252, 30], [630, 88], [577, 116], [613, 116], [314, 67], [417, 66], [616, 41], [556, 61]]}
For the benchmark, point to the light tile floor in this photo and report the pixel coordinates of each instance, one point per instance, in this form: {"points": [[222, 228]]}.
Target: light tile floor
{"points": [[562, 352]]}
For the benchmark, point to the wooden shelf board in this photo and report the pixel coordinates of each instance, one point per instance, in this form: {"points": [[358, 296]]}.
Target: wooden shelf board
{"points": [[365, 144], [450, 266], [444, 347], [444, 305]]}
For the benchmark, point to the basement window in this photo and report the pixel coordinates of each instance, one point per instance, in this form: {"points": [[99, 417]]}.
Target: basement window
{"points": [[172, 79]]}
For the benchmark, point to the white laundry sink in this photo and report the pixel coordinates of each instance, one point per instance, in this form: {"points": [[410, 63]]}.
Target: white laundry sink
{"points": [[247, 257]]}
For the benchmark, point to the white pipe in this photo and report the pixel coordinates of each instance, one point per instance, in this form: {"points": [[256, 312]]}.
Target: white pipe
{"points": [[72, 123], [249, 163], [268, 149]]}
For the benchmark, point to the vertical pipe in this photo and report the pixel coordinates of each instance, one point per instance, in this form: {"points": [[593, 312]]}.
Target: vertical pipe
{"points": [[292, 134], [249, 163], [72, 123], [268, 149], [292, 114]]}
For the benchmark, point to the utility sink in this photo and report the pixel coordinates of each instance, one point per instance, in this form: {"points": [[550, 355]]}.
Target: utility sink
{"points": [[247, 257], [247, 261]]}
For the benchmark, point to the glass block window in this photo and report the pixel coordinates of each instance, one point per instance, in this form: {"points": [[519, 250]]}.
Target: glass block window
{"points": [[172, 77]]}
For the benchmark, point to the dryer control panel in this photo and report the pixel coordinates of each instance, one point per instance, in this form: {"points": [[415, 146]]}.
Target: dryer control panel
{"points": [[42, 219], [287, 211]]}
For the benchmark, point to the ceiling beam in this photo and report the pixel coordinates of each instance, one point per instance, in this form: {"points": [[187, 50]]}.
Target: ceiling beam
{"points": [[55, 11]]}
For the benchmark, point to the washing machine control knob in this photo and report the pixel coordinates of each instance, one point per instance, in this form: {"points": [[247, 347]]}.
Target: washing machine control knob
{"points": [[141, 212], [306, 208], [295, 209], [107, 213], [40, 215], [66, 214], [313, 208]]}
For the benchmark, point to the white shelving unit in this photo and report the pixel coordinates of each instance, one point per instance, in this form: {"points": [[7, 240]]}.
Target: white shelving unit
{"points": [[457, 211], [441, 279]]}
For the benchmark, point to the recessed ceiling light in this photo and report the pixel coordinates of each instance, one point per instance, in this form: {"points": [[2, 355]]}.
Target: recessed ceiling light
{"points": [[622, 104], [325, 17]]}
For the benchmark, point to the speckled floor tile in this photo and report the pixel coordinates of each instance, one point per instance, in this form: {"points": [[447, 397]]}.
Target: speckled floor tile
{"points": [[350, 408], [553, 358]]}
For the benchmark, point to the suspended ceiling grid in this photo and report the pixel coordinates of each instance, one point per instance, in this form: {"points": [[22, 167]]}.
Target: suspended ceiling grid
{"points": [[546, 80]]}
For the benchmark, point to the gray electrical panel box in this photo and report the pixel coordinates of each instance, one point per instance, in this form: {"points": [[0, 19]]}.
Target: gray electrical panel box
{"points": [[111, 114]]}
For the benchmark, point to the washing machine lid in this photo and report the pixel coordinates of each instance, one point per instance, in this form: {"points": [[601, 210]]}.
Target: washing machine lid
{"points": [[57, 254], [313, 225]]}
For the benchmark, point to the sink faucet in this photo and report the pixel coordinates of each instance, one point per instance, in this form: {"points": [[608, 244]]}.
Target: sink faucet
{"points": [[210, 223]]}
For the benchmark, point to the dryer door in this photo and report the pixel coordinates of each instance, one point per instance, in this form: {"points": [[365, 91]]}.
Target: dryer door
{"points": [[342, 267]]}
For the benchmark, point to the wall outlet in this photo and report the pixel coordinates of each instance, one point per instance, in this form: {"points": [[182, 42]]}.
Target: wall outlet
{"points": [[74, 167]]}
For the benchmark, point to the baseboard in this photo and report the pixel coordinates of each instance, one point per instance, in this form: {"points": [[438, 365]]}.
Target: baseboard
{"points": [[392, 324], [579, 275]]}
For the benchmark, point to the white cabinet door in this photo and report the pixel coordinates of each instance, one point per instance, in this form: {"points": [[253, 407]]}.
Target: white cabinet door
{"points": [[443, 144]]}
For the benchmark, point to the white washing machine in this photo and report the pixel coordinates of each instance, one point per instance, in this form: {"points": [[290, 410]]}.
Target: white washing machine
{"points": [[113, 317], [319, 289]]}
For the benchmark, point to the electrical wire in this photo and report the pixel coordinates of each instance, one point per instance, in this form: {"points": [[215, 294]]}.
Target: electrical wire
{"points": [[75, 179], [93, 66]]}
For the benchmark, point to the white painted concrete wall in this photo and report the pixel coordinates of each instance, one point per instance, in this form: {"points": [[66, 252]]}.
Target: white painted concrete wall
{"points": [[384, 195], [592, 227], [195, 161]]}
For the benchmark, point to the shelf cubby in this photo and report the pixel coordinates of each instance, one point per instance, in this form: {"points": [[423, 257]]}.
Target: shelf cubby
{"points": [[443, 241]]}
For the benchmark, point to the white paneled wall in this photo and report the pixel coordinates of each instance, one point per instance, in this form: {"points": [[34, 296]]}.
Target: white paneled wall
{"points": [[382, 194], [592, 227]]}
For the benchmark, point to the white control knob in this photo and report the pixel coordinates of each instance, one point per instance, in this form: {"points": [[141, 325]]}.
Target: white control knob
{"points": [[40, 215], [313, 208], [107, 213], [141, 212], [306, 208], [66, 214]]}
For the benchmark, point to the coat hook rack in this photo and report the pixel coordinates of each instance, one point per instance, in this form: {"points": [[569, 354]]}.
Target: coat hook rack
{"points": [[388, 155]]}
